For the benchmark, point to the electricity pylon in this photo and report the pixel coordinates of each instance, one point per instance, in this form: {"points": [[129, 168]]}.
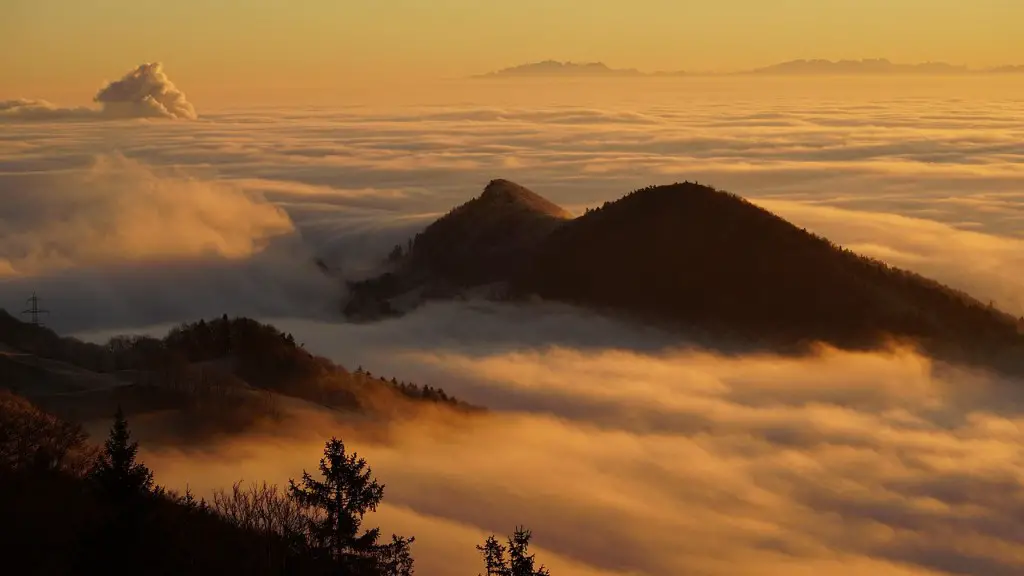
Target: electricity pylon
{"points": [[34, 310]]}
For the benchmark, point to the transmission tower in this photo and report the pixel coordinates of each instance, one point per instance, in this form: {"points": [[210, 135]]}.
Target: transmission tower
{"points": [[34, 310]]}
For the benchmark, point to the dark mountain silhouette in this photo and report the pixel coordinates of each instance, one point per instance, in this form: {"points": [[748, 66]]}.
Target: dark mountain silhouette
{"points": [[692, 257], [476, 244], [481, 240]]}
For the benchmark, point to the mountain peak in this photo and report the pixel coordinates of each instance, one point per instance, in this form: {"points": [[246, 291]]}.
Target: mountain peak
{"points": [[505, 192], [501, 188], [479, 242]]}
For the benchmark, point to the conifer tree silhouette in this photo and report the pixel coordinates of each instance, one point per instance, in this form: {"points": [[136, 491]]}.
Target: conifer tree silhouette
{"points": [[116, 473], [121, 483], [338, 503], [518, 561]]}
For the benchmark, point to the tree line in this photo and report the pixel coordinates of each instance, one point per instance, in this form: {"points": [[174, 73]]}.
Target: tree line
{"points": [[259, 354]]}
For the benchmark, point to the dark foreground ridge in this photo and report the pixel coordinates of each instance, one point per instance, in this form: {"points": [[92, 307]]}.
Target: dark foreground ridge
{"points": [[693, 257], [71, 507]]}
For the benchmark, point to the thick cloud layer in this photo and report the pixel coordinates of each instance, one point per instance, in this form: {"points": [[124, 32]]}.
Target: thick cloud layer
{"points": [[922, 180], [675, 462], [625, 453], [145, 92], [26, 109]]}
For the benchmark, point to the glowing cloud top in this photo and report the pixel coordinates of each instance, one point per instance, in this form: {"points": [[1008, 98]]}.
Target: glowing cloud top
{"points": [[143, 92]]}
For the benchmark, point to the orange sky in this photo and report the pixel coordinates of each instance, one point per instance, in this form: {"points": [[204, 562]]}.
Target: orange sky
{"points": [[66, 48]]}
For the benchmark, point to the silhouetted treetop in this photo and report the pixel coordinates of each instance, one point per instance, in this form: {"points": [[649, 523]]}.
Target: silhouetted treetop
{"points": [[513, 559], [117, 474], [340, 500]]}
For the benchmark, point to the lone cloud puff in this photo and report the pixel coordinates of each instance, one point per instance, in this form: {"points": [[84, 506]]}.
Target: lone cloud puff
{"points": [[145, 92]]}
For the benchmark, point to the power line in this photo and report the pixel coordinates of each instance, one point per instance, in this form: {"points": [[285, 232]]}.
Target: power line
{"points": [[34, 310]]}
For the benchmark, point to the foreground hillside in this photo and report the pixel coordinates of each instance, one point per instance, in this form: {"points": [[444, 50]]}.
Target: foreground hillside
{"points": [[76, 508], [690, 256]]}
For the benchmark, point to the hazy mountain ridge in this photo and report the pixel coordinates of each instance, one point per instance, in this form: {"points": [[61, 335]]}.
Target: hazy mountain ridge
{"points": [[691, 256], [866, 66], [800, 67], [228, 372], [557, 68]]}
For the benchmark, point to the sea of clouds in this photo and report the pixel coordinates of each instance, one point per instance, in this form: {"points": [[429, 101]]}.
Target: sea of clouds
{"points": [[674, 462], [627, 450]]}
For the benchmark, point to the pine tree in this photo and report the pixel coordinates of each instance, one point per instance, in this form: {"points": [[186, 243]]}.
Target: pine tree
{"points": [[518, 562], [521, 563], [339, 502], [116, 472], [494, 557]]}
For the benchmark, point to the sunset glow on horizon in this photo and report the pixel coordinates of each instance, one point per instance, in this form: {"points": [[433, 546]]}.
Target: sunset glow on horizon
{"points": [[230, 49]]}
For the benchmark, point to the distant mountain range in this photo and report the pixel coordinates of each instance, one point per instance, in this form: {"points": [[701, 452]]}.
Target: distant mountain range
{"points": [[556, 68], [878, 66], [689, 257]]}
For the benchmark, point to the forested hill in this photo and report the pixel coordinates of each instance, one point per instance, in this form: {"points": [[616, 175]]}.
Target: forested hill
{"points": [[476, 243], [481, 240], [691, 256], [224, 362], [701, 257]]}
